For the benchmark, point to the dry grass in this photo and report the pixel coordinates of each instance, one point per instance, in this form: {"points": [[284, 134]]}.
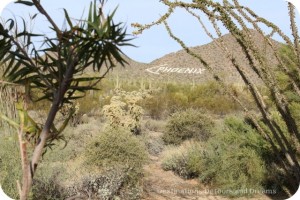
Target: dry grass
{"points": [[9, 94]]}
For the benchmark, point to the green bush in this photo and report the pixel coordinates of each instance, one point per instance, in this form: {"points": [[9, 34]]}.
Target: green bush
{"points": [[176, 101], [230, 161], [155, 106], [175, 159], [184, 125], [110, 184], [154, 125], [295, 107], [240, 170], [179, 96], [117, 147], [290, 139], [244, 135], [236, 160], [212, 97], [153, 142], [217, 104], [117, 156]]}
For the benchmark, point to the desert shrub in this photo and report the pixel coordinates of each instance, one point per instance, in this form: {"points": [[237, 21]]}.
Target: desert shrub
{"points": [[86, 106], [240, 170], [154, 125], [277, 177], [211, 97], [117, 147], [173, 87], [47, 189], [175, 159], [295, 107], [10, 166], [291, 140], [176, 101], [110, 184], [155, 106], [178, 96], [153, 142], [119, 156], [235, 160], [277, 181], [134, 192], [236, 129], [54, 171], [217, 104], [188, 124], [154, 146], [230, 161]]}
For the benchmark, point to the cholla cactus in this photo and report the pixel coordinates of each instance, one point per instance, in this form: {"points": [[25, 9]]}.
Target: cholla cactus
{"points": [[124, 111], [115, 111]]}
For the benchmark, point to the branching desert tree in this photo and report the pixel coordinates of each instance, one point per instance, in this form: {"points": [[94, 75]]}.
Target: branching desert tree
{"points": [[240, 21], [56, 70]]}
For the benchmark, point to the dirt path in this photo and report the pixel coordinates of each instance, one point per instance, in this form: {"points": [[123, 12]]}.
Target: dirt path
{"points": [[160, 184], [165, 185]]}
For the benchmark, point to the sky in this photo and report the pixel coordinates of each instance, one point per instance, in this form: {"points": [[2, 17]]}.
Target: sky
{"points": [[153, 43]]}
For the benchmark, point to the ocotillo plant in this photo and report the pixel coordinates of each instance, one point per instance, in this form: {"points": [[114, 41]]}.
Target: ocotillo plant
{"points": [[237, 19]]}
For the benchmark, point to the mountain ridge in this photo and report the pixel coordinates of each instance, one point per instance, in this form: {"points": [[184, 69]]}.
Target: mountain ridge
{"points": [[181, 67]]}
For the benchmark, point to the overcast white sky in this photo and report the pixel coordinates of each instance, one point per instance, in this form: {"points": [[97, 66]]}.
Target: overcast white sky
{"points": [[155, 42]]}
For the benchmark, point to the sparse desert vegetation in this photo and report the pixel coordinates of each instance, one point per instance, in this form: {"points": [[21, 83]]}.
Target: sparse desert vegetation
{"points": [[215, 150], [233, 133]]}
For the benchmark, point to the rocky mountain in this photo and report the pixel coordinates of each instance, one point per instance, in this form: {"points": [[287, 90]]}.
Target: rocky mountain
{"points": [[182, 67]]}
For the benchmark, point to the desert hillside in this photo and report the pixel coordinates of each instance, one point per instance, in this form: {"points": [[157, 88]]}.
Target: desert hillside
{"points": [[148, 134], [181, 67]]}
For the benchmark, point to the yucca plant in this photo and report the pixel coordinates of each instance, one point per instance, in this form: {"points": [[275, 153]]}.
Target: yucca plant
{"points": [[56, 69]]}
